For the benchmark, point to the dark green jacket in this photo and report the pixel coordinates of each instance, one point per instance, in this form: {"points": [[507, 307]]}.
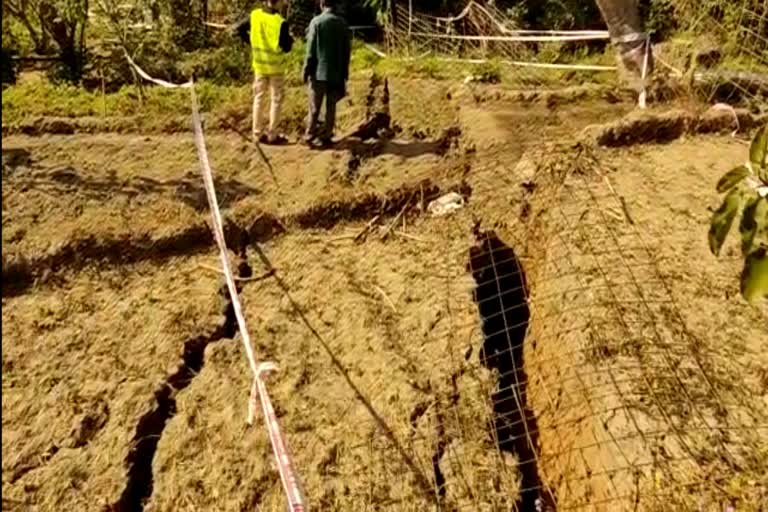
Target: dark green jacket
{"points": [[329, 46]]}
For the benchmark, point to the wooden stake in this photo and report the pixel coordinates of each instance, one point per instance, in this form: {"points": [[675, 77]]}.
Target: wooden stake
{"points": [[395, 220], [366, 229]]}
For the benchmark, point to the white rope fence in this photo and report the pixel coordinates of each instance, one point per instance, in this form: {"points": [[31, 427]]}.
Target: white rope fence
{"points": [[290, 481], [491, 26]]}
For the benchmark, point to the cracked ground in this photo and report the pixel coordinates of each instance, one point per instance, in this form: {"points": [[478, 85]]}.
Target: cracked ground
{"points": [[125, 384]]}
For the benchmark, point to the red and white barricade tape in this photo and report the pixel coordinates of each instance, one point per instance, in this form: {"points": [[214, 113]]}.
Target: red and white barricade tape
{"points": [[290, 481]]}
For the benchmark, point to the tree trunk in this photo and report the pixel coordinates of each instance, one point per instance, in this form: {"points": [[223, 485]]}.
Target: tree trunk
{"points": [[624, 22]]}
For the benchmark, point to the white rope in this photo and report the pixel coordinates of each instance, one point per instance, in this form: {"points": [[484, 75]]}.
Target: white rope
{"points": [[375, 50], [522, 38], [582, 67], [291, 486], [728, 108], [630, 38], [157, 81], [603, 33]]}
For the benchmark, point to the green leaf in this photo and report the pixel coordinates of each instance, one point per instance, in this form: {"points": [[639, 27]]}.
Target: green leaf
{"points": [[758, 150], [758, 153], [754, 277], [748, 225], [722, 220], [732, 178], [754, 221]]}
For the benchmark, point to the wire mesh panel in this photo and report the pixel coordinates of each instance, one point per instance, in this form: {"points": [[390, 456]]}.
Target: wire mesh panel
{"points": [[484, 43], [534, 350]]}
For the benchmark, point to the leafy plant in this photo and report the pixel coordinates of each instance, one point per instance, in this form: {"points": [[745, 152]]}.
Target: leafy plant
{"points": [[488, 72], [746, 189]]}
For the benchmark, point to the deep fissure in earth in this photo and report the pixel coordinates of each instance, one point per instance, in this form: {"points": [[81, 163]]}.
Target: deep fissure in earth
{"points": [[20, 272], [501, 298], [150, 427]]}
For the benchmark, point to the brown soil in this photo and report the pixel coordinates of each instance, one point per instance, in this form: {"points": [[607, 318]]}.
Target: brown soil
{"points": [[648, 363], [647, 127], [640, 373], [83, 361]]}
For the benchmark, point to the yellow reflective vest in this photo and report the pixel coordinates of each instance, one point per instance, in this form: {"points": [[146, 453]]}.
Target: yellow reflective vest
{"points": [[266, 55]]}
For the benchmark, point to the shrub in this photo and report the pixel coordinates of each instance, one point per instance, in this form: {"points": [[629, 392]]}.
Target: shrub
{"points": [[488, 72], [225, 65]]}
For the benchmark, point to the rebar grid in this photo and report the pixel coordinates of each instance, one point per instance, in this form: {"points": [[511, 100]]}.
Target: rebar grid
{"points": [[611, 367], [605, 399]]}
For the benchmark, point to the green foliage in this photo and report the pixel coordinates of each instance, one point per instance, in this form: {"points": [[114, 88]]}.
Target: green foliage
{"points": [[38, 98], [185, 23], [419, 68], [488, 72], [723, 219], [51, 24], [228, 64], [660, 17], [747, 194]]}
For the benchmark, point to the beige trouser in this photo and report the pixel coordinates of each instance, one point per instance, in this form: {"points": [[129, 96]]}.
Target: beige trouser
{"points": [[273, 83]]}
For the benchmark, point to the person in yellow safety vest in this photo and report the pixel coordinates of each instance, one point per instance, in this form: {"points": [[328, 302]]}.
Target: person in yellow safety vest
{"points": [[267, 32]]}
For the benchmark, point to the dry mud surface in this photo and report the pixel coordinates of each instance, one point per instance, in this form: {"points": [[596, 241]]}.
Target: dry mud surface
{"points": [[640, 375]]}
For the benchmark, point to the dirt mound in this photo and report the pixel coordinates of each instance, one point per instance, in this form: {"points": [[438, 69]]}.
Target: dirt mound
{"points": [[652, 127], [567, 95], [363, 207]]}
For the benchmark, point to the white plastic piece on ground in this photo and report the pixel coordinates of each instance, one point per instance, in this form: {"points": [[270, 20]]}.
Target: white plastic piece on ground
{"points": [[446, 204], [728, 108]]}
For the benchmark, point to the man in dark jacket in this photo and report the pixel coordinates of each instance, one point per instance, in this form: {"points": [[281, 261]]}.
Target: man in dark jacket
{"points": [[267, 33], [326, 69]]}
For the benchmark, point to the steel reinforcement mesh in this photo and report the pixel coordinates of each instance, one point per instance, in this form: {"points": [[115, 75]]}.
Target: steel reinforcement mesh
{"points": [[530, 350]]}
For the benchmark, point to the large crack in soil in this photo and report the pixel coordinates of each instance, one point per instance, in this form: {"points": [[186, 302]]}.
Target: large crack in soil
{"points": [[19, 273], [443, 439], [501, 298], [149, 430]]}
